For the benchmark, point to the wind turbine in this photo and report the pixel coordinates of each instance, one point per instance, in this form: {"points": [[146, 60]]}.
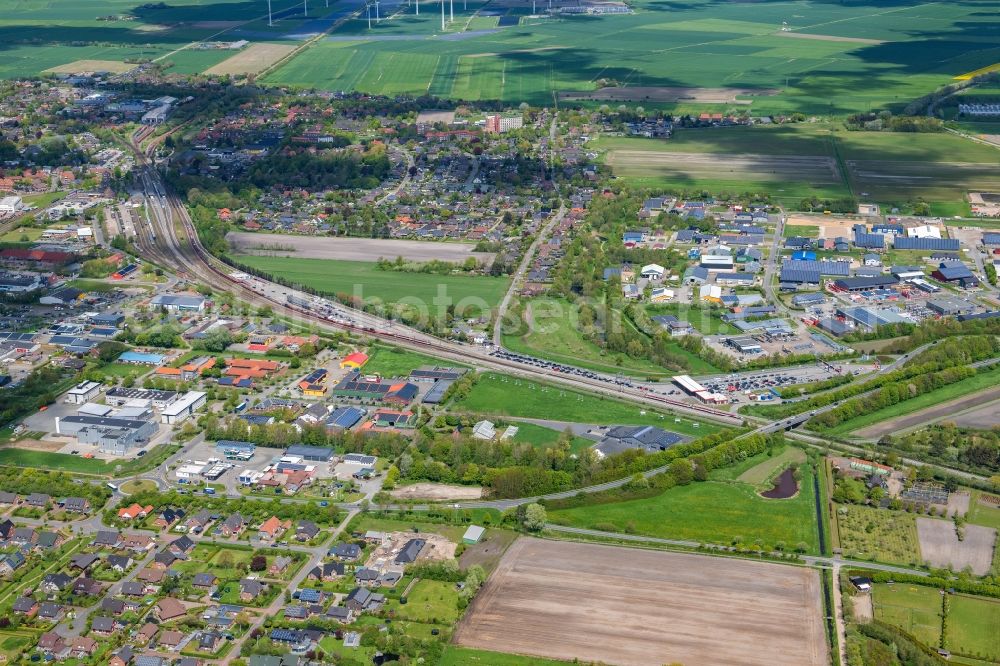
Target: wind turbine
{"points": [[452, 4], [305, 7], [442, 15], [270, 23], [418, 7], [378, 19]]}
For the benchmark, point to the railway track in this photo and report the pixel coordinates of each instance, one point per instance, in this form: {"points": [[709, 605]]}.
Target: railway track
{"points": [[189, 259]]}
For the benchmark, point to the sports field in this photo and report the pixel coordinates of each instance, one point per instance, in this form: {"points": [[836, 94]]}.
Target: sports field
{"points": [[362, 279], [848, 56], [633, 607]]}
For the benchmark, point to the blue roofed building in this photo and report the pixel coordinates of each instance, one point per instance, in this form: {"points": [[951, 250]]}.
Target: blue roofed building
{"points": [[647, 438], [344, 418]]}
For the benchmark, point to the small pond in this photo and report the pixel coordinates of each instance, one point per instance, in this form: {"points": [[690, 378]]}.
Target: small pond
{"points": [[785, 486]]}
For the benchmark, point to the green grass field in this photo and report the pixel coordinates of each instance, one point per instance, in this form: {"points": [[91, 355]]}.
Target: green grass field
{"points": [[983, 514], [807, 230], [397, 362], [909, 51], [540, 436], [766, 469], [460, 656], [887, 167], [431, 601], [712, 511], [508, 396], [47, 460], [914, 608], [362, 279], [555, 335], [973, 623]]}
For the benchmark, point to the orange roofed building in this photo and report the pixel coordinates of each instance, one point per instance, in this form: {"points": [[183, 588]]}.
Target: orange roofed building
{"points": [[354, 361], [135, 511]]}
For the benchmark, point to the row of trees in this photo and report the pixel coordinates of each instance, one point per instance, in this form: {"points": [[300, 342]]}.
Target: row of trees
{"points": [[947, 354], [891, 394]]}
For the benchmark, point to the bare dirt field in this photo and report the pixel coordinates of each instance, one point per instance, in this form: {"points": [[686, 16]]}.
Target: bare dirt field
{"points": [[436, 548], [435, 116], [437, 491], [252, 60], [38, 445], [488, 551], [958, 504], [863, 607], [90, 66], [829, 38], [719, 166], [668, 94], [940, 546], [353, 249], [977, 410], [635, 607]]}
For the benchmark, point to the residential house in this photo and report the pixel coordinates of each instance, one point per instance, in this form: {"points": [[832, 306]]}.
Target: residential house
{"points": [[133, 588], [122, 657], [146, 633], [111, 605], [347, 552], [273, 528], [137, 543], [340, 614], [169, 609], [168, 517], [49, 611], [410, 552], [134, 511], [11, 562], [25, 606], [209, 641], [104, 626], [361, 599], [24, 536], [107, 539], [87, 587], [119, 563], [170, 640], [55, 583], [205, 580], [82, 646], [306, 530], [51, 643], [76, 505], [181, 545], [198, 522], [327, 571], [151, 576], [233, 525], [251, 589], [279, 565], [83, 561], [38, 500]]}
